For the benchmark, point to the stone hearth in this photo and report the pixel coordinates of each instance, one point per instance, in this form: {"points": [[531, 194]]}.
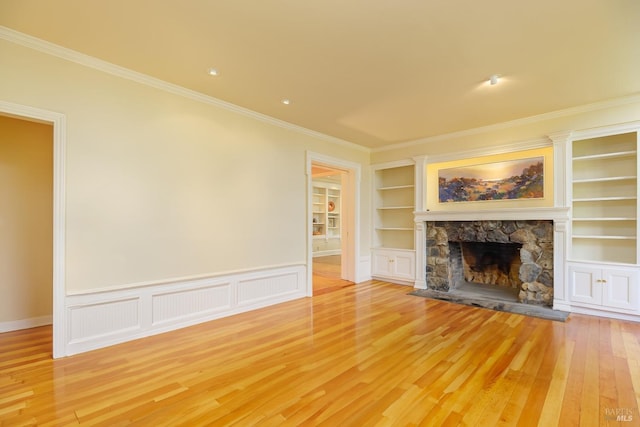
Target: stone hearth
{"points": [[450, 264]]}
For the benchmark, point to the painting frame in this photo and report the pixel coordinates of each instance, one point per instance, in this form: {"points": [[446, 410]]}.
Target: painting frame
{"points": [[492, 180]]}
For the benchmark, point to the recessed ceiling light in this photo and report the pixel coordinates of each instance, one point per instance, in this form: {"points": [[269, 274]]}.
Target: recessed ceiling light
{"points": [[212, 72], [286, 101], [493, 80]]}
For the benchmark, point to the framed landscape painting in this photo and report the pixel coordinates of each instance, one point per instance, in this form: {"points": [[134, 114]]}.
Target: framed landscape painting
{"points": [[504, 180]]}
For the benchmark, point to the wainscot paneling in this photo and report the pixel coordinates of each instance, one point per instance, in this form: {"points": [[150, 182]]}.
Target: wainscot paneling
{"points": [[106, 318], [103, 319]]}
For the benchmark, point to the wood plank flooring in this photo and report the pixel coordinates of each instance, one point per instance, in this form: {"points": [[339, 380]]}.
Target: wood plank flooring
{"points": [[326, 274], [361, 355]]}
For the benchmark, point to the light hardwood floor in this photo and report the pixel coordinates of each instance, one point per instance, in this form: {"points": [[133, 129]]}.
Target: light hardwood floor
{"points": [[326, 275], [362, 355]]}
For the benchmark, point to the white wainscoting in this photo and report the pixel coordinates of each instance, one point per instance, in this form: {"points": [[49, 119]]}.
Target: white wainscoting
{"points": [[110, 317], [34, 322]]}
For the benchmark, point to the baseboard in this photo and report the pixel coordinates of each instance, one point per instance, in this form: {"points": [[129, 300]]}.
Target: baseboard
{"points": [[394, 280], [106, 318], [578, 309], [561, 305], [604, 313], [33, 322], [331, 252]]}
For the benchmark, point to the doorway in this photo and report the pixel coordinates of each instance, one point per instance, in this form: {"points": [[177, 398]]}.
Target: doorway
{"points": [[58, 123], [26, 258], [332, 234], [327, 229]]}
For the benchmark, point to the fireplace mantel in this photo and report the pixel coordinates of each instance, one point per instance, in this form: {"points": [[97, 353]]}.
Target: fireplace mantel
{"points": [[513, 214]]}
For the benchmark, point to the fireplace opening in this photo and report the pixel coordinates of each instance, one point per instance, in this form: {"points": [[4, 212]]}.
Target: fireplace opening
{"points": [[491, 263]]}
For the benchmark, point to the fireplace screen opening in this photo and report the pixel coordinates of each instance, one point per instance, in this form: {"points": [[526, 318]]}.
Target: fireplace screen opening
{"points": [[489, 263]]}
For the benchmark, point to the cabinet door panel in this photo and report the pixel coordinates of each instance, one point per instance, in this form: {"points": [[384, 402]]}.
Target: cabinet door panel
{"points": [[585, 286], [405, 266], [620, 289], [381, 264]]}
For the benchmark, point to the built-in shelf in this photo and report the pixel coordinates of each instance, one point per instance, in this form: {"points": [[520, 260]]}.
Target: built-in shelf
{"points": [[393, 255], [604, 199], [603, 219], [394, 203], [604, 196], [326, 210], [628, 153], [605, 179]]}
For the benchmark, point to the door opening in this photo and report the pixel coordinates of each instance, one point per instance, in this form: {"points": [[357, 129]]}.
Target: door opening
{"points": [[58, 121], [333, 247], [26, 250], [327, 230]]}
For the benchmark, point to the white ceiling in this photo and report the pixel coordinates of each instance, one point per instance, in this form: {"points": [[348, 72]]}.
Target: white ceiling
{"points": [[373, 72]]}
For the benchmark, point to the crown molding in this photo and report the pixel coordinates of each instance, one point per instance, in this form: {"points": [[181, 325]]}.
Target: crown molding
{"points": [[125, 73], [530, 144], [595, 106]]}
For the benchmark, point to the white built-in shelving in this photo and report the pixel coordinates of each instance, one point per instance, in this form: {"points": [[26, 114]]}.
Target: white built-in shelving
{"points": [[393, 240], [394, 203], [326, 221], [603, 264], [605, 199]]}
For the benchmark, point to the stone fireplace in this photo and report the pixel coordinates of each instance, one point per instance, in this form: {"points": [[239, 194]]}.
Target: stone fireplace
{"points": [[517, 255]]}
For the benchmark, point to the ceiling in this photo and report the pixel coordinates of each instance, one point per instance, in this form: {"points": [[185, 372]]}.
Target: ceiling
{"points": [[372, 72]]}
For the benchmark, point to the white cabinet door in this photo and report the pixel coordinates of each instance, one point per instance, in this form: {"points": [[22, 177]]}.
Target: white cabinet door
{"points": [[405, 266], [608, 288], [586, 286], [382, 264], [394, 264], [620, 289]]}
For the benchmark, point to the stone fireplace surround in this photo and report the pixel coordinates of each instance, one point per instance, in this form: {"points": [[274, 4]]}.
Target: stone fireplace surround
{"points": [[559, 217], [533, 239]]}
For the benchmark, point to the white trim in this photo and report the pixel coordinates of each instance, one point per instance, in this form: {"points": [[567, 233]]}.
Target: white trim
{"points": [[33, 322], [599, 312], [392, 164], [595, 106], [394, 280], [329, 252], [530, 144], [513, 214], [179, 279], [102, 319], [561, 305], [59, 149], [604, 131], [125, 73]]}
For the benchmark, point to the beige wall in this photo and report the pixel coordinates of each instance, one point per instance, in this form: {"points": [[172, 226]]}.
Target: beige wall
{"points": [[159, 186], [26, 197]]}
